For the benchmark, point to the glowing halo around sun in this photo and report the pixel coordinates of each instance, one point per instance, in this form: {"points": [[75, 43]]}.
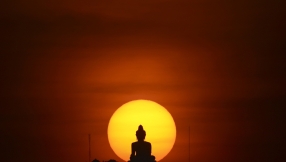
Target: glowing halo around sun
{"points": [[156, 120]]}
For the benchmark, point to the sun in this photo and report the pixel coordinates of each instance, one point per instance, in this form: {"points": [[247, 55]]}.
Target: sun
{"points": [[157, 122]]}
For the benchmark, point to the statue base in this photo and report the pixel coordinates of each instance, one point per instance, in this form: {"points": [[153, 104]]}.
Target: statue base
{"points": [[142, 159]]}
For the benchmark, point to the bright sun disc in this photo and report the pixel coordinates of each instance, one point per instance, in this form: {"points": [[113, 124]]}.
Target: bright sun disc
{"points": [[156, 120]]}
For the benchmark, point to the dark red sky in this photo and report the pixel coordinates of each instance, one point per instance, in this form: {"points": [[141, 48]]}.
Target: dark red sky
{"points": [[218, 66]]}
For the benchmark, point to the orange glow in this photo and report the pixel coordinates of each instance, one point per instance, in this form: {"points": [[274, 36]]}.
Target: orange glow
{"points": [[156, 120]]}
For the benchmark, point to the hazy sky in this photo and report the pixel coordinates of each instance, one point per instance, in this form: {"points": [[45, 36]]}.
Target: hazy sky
{"points": [[217, 66]]}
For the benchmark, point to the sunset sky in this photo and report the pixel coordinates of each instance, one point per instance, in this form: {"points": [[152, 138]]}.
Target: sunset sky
{"points": [[216, 66]]}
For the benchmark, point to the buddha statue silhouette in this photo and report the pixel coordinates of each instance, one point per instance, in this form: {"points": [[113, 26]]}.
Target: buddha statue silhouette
{"points": [[141, 150]]}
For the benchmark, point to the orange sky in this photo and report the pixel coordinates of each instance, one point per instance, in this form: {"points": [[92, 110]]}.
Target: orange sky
{"points": [[217, 66]]}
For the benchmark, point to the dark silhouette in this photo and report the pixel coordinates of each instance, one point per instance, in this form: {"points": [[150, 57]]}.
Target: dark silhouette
{"points": [[141, 150], [95, 160], [111, 160]]}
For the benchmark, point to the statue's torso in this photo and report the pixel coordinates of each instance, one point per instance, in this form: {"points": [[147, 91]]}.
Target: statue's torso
{"points": [[142, 148]]}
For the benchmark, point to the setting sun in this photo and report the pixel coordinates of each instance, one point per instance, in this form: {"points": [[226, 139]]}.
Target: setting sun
{"points": [[157, 122]]}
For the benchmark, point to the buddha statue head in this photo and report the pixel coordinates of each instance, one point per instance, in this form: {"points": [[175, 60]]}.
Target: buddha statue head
{"points": [[140, 133]]}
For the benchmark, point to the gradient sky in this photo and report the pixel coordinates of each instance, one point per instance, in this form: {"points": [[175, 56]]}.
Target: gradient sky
{"points": [[217, 66]]}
